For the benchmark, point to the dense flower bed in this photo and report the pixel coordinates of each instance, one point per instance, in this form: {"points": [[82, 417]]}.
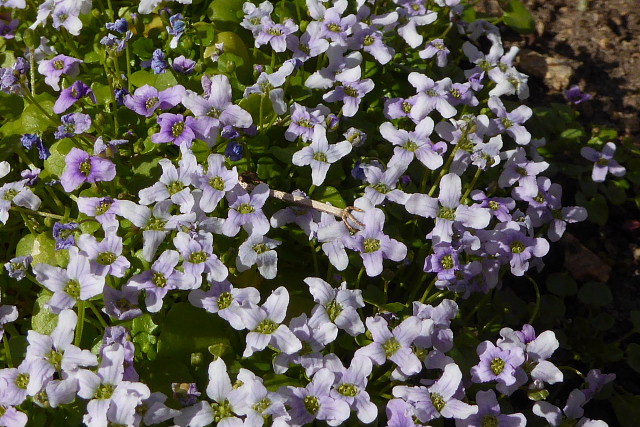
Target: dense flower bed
{"points": [[275, 213]]}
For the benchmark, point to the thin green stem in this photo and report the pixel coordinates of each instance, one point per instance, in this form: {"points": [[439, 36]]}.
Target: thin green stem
{"points": [[536, 308], [428, 290], [30, 212], [444, 170], [32, 72], [471, 186], [98, 315], [360, 273], [316, 269], [7, 351], [80, 327], [482, 302]]}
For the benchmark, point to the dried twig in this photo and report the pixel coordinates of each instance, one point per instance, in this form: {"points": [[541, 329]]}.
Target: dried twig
{"points": [[249, 180]]}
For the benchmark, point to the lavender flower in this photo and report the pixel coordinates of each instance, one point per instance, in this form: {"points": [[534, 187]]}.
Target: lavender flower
{"points": [[225, 300], [511, 122], [315, 402], [336, 306], [158, 64], [275, 34], [71, 95], [81, 168], [19, 194], [575, 96], [73, 124], [17, 267], [183, 65], [489, 412], [439, 399], [497, 364], [29, 140], [176, 29], [63, 234], [265, 325], [71, 284], [431, 96], [105, 256], [438, 49], [147, 99], [447, 209], [320, 155], [351, 91], [604, 162], [395, 346], [177, 129], [55, 67], [258, 250], [198, 256], [410, 145], [246, 211], [350, 385]]}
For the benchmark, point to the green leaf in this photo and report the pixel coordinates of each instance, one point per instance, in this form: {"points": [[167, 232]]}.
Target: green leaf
{"points": [[572, 134], [179, 338], [595, 293], [143, 77], [562, 284], [635, 320], [331, 195], [518, 17], [228, 62], [143, 47], [43, 321], [34, 120], [56, 163], [164, 81], [268, 168], [603, 322], [225, 10], [206, 33], [633, 356], [41, 247], [627, 409]]}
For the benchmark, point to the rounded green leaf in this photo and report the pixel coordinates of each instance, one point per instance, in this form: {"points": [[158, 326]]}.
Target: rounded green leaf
{"points": [[595, 293]]}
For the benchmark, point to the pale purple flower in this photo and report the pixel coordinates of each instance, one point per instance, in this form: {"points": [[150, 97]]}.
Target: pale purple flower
{"points": [[382, 184], [436, 324], [253, 15], [174, 183], [105, 209], [315, 402], [336, 27], [393, 345], [371, 41], [69, 285], [270, 84], [537, 349], [217, 107], [437, 48], [444, 261], [264, 322], [245, 210], [197, 252], [320, 155], [111, 397], [55, 352], [71, 95], [416, 15], [259, 250], [439, 399], [16, 269], [225, 300], [500, 207], [309, 45], [431, 96], [261, 404], [72, 124], [8, 314], [67, 15], [604, 162], [177, 129], [275, 34], [447, 209], [160, 279], [121, 304], [305, 218], [395, 108], [375, 246], [497, 364], [511, 122], [28, 140], [216, 182], [575, 96], [304, 120], [489, 412], [349, 386], [338, 63], [81, 168], [409, 145], [350, 91], [521, 170], [337, 306], [55, 67], [331, 232], [183, 65], [400, 414], [147, 99], [314, 334], [516, 247], [19, 194], [105, 256], [21, 382]]}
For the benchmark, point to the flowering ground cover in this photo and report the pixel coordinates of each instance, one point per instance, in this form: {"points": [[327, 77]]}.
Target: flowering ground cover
{"points": [[296, 213]]}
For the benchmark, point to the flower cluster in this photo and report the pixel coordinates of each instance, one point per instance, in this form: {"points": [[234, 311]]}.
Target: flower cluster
{"points": [[184, 182]]}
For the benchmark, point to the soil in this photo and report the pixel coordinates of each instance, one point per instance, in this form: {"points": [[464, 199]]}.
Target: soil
{"points": [[598, 42]]}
